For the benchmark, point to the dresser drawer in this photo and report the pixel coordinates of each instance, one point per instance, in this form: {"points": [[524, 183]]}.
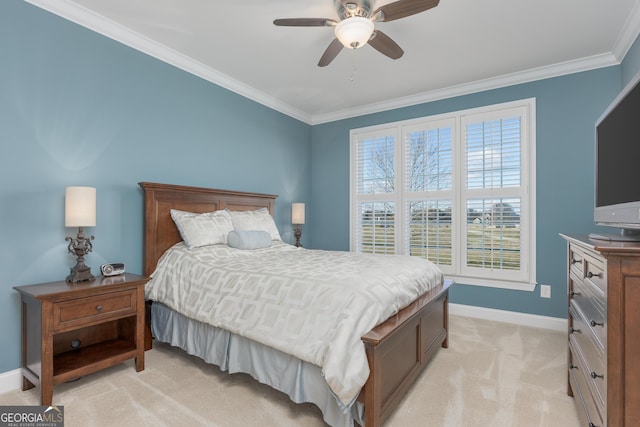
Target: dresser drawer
{"points": [[86, 311], [588, 264], [593, 356], [589, 300], [578, 378], [595, 271], [576, 261]]}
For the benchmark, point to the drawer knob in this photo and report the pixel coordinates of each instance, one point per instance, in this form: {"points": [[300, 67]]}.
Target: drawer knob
{"points": [[576, 261], [573, 293], [593, 323], [572, 330], [572, 366], [590, 275], [592, 425], [594, 375], [99, 308]]}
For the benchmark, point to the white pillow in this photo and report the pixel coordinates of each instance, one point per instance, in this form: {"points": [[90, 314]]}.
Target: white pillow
{"points": [[260, 219], [210, 228]]}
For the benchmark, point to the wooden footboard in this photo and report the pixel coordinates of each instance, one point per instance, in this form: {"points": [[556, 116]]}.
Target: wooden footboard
{"points": [[399, 349]]}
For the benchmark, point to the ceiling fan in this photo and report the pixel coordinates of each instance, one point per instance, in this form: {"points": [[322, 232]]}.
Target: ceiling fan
{"points": [[356, 25]]}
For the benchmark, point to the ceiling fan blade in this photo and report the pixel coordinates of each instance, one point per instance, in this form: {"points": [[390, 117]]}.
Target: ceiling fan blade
{"points": [[402, 9], [305, 22], [329, 55], [383, 44]]}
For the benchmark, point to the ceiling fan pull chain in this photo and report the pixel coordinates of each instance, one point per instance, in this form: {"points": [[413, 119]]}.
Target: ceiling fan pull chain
{"points": [[355, 70]]}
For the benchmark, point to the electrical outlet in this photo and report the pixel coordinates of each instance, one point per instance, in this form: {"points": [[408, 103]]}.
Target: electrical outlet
{"points": [[545, 291]]}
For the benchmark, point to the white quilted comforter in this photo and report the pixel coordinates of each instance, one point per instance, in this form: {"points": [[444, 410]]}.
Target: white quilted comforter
{"points": [[312, 304]]}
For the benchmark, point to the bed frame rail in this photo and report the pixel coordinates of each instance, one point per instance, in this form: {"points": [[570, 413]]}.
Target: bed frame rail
{"points": [[399, 349]]}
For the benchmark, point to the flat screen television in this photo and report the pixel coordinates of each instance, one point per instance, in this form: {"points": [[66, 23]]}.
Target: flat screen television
{"points": [[617, 173]]}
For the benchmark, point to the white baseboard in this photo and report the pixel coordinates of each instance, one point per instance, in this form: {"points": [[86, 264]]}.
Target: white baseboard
{"points": [[523, 319], [10, 380]]}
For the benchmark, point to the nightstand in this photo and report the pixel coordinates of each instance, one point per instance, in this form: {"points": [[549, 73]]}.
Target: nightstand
{"points": [[73, 329]]}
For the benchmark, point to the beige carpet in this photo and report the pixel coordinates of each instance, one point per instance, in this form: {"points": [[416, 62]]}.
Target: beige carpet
{"points": [[493, 374]]}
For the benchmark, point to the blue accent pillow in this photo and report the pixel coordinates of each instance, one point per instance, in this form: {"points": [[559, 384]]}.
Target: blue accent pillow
{"points": [[249, 239]]}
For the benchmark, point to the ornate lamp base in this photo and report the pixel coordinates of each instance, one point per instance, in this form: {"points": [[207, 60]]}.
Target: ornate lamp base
{"points": [[297, 233], [79, 274], [80, 246]]}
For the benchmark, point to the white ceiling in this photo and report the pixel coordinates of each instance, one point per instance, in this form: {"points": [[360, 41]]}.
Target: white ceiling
{"points": [[461, 46]]}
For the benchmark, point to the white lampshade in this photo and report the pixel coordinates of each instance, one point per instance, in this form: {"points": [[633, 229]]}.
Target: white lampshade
{"points": [[297, 213], [80, 207], [354, 32]]}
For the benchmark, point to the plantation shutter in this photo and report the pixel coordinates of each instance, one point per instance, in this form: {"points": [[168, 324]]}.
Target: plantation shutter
{"points": [[493, 193], [375, 206], [428, 191]]}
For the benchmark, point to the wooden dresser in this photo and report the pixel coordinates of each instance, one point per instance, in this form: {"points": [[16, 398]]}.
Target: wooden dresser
{"points": [[604, 331]]}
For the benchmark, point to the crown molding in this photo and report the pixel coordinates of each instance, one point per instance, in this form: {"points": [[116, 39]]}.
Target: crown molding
{"points": [[82, 16], [505, 80], [628, 34], [87, 18]]}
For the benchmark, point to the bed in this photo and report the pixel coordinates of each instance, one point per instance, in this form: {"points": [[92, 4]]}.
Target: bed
{"points": [[397, 349]]}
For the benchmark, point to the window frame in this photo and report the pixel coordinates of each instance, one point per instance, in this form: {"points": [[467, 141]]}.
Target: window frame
{"points": [[525, 279]]}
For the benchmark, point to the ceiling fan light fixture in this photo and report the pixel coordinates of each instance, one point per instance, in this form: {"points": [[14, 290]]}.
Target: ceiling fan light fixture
{"points": [[354, 32]]}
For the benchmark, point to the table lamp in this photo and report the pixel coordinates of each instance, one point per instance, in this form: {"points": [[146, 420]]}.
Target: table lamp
{"points": [[297, 219], [80, 211]]}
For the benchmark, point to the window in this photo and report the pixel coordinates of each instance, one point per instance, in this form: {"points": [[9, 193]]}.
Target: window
{"points": [[456, 189]]}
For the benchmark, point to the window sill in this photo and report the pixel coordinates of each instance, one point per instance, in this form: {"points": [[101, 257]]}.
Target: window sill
{"points": [[493, 283]]}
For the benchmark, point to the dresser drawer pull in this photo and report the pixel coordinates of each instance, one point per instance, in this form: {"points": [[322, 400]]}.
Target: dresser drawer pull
{"points": [[573, 293], [576, 261], [572, 366], [572, 330], [594, 375], [99, 308], [593, 323], [590, 275], [592, 425]]}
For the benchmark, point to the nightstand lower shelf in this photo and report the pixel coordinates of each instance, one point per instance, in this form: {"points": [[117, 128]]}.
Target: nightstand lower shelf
{"points": [[87, 360]]}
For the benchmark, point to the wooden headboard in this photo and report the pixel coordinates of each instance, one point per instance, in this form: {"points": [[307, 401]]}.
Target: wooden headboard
{"points": [[160, 232]]}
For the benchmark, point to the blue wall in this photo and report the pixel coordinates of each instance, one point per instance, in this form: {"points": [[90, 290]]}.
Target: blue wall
{"points": [[567, 108], [79, 109], [631, 64]]}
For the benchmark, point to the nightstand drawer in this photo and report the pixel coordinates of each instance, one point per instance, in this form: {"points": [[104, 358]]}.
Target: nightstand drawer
{"points": [[85, 311]]}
